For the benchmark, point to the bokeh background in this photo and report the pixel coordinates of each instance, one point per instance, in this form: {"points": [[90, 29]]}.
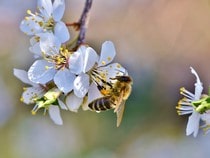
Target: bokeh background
{"points": [[156, 40]]}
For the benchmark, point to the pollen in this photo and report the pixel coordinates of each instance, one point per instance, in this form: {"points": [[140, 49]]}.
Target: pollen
{"points": [[26, 18], [182, 89], [25, 88], [104, 92], [21, 99], [29, 12], [109, 58], [47, 67], [33, 112], [103, 62], [118, 66]]}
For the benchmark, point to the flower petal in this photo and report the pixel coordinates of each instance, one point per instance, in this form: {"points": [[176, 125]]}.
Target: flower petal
{"points": [[93, 93], [61, 32], [111, 71], [35, 46], [76, 62], [23, 76], [58, 9], [81, 85], [30, 25], [45, 7], [62, 105], [107, 53], [198, 85], [31, 93], [64, 80], [193, 124], [41, 72], [54, 113], [90, 59], [49, 44], [73, 102]]}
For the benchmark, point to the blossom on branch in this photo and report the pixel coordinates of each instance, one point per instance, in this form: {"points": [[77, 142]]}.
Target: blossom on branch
{"points": [[46, 20], [188, 105], [42, 97]]}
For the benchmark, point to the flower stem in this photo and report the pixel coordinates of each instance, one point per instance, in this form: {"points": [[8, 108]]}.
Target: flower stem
{"points": [[83, 22]]}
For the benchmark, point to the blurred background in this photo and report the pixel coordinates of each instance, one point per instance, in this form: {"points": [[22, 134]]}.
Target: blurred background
{"points": [[156, 40]]}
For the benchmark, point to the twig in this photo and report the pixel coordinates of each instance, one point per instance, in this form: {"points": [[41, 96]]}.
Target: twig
{"points": [[83, 22]]}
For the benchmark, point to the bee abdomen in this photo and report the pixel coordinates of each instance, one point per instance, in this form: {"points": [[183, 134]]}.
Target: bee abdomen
{"points": [[101, 104]]}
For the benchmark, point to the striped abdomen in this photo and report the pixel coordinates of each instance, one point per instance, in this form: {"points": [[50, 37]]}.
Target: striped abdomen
{"points": [[101, 104]]}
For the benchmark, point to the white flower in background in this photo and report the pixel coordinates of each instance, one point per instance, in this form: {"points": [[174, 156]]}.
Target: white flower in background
{"points": [[38, 94], [185, 106], [54, 66], [92, 71], [47, 19]]}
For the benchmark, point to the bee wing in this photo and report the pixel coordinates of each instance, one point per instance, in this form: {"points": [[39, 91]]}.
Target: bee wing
{"points": [[120, 111]]}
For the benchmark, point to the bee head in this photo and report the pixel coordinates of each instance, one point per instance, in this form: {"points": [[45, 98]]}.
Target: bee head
{"points": [[126, 79]]}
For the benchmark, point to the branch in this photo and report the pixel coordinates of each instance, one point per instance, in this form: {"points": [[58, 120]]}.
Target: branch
{"points": [[83, 22]]}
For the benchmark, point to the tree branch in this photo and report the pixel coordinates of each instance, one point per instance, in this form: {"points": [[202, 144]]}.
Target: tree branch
{"points": [[83, 22]]}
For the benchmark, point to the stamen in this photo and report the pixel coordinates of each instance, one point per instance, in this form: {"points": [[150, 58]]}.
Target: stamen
{"points": [[186, 93], [35, 109], [21, 99]]}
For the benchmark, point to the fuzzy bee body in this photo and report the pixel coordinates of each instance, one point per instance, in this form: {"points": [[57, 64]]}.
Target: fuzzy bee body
{"points": [[101, 104], [115, 94]]}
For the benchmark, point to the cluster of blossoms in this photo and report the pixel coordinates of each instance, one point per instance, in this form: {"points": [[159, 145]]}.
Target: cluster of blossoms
{"points": [[62, 77], [198, 105]]}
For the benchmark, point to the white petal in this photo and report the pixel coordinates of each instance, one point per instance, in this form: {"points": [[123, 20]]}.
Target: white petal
{"points": [[41, 72], [111, 71], [73, 102], [193, 124], [29, 26], [31, 93], [107, 53], [54, 113], [93, 93], [61, 32], [206, 117], [35, 46], [45, 7], [62, 105], [49, 44], [81, 85], [90, 59], [58, 9], [64, 80], [76, 62], [23, 76], [198, 85]]}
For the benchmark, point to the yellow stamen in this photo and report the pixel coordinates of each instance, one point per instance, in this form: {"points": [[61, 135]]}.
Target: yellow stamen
{"points": [[29, 12], [103, 62], [33, 112], [118, 66], [21, 99]]}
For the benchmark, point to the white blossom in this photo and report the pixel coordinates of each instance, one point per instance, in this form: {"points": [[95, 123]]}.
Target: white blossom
{"points": [[46, 20], [34, 95], [93, 70], [53, 66], [185, 106]]}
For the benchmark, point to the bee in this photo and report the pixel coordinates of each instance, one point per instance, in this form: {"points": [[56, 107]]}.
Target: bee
{"points": [[114, 97]]}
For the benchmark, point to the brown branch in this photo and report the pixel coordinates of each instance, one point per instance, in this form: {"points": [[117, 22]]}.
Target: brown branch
{"points": [[83, 22]]}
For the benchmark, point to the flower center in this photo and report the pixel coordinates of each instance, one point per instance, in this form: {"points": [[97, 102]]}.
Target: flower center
{"points": [[46, 24], [59, 59], [49, 25]]}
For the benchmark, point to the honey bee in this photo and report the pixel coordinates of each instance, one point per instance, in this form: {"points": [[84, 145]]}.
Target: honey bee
{"points": [[114, 97]]}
